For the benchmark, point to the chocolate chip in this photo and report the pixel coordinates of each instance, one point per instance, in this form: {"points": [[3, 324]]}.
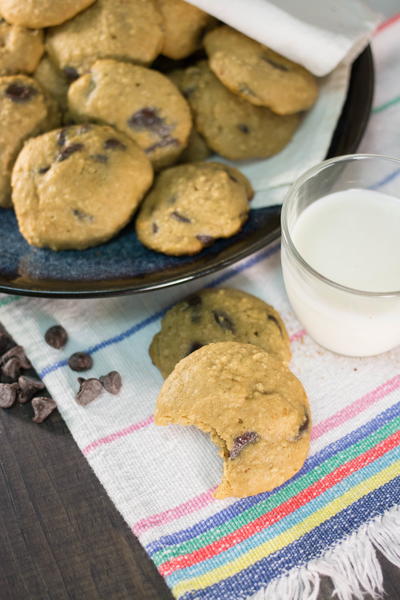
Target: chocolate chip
{"points": [[243, 440], [165, 141], [66, 153], [11, 368], [113, 144], [195, 346], [100, 158], [89, 390], [206, 240], [8, 394], [43, 170], [275, 320], [18, 353], [231, 176], [274, 63], [20, 93], [42, 408], [112, 382], [194, 300], [82, 216], [154, 227], [56, 336], [71, 74], [179, 217], [62, 137], [222, 319], [148, 118], [80, 361], [28, 387], [243, 128]]}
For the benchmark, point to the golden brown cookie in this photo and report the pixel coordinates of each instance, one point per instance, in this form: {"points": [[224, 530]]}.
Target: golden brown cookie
{"points": [[258, 74], [78, 186], [41, 13], [24, 111], [129, 31], [141, 102], [20, 48], [190, 206], [218, 315], [231, 126], [184, 26], [254, 408]]}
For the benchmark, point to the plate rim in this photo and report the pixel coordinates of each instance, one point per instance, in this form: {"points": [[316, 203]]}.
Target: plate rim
{"points": [[363, 63]]}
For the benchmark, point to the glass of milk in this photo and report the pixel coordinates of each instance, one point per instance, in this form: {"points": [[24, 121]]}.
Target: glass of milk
{"points": [[341, 253]]}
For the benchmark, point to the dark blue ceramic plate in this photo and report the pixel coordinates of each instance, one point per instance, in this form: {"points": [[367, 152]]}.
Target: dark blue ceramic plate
{"points": [[124, 265]]}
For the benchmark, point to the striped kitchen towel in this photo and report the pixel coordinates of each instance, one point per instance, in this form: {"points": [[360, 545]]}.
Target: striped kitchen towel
{"points": [[329, 519]]}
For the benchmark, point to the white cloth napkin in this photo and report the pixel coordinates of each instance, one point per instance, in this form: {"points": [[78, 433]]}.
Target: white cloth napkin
{"points": [[318, 34], [323, 36]]}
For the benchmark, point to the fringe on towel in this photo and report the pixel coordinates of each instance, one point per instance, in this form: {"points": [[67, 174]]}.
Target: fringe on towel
{"points": [[352, 565]]}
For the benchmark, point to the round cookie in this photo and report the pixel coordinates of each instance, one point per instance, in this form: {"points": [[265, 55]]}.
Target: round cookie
{"points": [[254, 408], [41, 13], [141, 102], [184, 25], [130, 31], [258, 74], [78, 186], [24, 112], [20, 48], [189, 207], [218, 315], [196, 149], [231, 126]]}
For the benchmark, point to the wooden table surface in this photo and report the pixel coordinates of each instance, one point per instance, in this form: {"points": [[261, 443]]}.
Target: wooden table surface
{"points": [[61, 538]]}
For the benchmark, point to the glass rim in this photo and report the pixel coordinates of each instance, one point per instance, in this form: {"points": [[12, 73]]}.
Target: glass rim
{"points": [[285, 229]]}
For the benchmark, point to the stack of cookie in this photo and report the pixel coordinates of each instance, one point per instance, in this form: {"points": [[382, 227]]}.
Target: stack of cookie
{"points": [[224, 354], [96, 63]]}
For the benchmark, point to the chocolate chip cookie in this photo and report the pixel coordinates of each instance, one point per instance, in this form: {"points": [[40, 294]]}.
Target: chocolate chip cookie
{"points": [[230, 125], [141, 102], [257, 74], [129, 31], [43, 13], [24, 112], [255, 410], [78, 186], [20, 48], [184, 26], [218, 315], [190, 206]]}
